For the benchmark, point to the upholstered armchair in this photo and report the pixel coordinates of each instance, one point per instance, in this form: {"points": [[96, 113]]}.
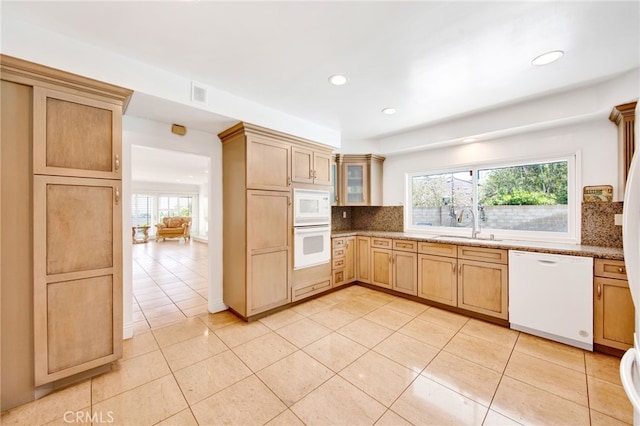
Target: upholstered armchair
{"points": [[174, 227]]}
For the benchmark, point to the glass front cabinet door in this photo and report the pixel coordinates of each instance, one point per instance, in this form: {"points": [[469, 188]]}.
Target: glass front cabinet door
{"points": [[354, 184]]}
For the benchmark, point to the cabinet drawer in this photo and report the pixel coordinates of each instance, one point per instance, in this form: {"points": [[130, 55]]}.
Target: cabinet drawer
{"points": [[610, 269], [437, 249], [309, 290], [483, 254], [339, 277], [381, 242], [405, 245], [338, 242], [338, 263], [338, 252]]}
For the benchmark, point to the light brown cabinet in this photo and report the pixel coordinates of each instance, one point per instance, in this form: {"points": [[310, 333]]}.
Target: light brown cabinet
{"points": [[613, 310], [381, 266], [405, 267], [71, 279], [268, 163], [624, 118], [310, 166], [437, 272], [483, 281], [343, 260], [358, 180], [363, 259]]}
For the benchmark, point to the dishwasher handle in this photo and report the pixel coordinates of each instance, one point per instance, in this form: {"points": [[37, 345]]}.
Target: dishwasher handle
{"points": [[547, 262]]}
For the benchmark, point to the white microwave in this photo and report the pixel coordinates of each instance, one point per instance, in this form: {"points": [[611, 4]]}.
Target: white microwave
{"points": [[311, 207]]}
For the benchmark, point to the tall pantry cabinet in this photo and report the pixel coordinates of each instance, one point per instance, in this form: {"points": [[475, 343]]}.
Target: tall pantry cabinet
{"points": [[61, 148]]}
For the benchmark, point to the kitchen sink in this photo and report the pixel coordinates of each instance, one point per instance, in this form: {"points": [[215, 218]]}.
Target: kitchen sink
{"points": [[457, 238]]}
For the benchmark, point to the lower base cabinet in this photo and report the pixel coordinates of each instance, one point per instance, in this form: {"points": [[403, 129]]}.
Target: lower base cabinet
{"points": [[438, 279], [482, 288], [613, 310]]}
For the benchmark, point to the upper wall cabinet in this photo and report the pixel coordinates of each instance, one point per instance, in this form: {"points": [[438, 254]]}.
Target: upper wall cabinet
{"points": [[359, 180], [268, 164], [624, 117], [308, 166], [76, 136]]}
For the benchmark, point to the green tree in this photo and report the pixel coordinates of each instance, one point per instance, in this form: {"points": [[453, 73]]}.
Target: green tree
{"points": [[525, 185]]}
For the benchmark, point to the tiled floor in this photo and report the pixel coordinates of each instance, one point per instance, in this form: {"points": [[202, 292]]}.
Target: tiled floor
{"points": [[170, 280], [353, 357]]}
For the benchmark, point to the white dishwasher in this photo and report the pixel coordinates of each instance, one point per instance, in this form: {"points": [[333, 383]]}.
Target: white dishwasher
{"points": [[551, 296]]}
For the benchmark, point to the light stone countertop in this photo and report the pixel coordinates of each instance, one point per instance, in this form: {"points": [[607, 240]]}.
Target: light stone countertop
{"points": [[610, 253]]}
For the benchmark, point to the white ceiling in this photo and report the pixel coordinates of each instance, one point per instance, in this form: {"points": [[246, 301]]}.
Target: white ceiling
{"points": [[159, 165], [431, 60]]}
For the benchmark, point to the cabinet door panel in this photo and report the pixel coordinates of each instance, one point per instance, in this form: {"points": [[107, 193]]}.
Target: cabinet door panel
{"points": [[322, 168], [268, 281], [268, 164], [301, 165], [482, 287], [438, 279], [75, 136], [405, 272], [268, 220], [350, 260], [363, 259], [613, 313], [381, 270], [355, 181]]}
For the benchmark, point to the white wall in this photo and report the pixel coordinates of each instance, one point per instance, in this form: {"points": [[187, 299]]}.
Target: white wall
{"points": [[203, 213], [137, 131], [576, 120], [37, 45]]}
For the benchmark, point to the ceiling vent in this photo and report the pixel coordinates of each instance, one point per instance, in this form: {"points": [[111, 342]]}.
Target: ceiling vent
{"points": [[198, 93]]}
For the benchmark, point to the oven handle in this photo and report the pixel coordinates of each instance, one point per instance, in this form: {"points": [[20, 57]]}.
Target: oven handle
{"points": [[311, 229]]}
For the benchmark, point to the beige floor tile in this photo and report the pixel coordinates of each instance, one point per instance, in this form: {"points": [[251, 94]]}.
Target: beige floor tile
{"points": [[280, 319], [388, 317], [335, 351], [147, 305], [183, 418], [80, 417], [556, 379], [407, 351], [166, 319], [248, 402], [428, 332], [426, 402], [491, 332], [333, 318], [241, 332], [140, 343], [137, 316], [295, 376], [188, 352], [564, 355], [480, 351], [186, 296], [377, 298], [179, 332], [599, 419], [219, 319], [286, 418], [160, 311], [148, 288], [529, 405], [444, 318], [144, 405], [196, 310], [140, 327], [365, 332], [50, 407], [465, 377], [603, 367], [191, 302], [379, 377], [408, 307], [128, 374], [149, 296], [203, 379], [303, 332], [357, 306], [496, 419], [311, 307], [609, 399], [264, 350], [338, 402], [389, 418]]}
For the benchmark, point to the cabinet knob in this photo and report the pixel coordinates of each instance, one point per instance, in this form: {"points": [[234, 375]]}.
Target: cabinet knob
{"points": [[621, 269], [117, 162], [117, 195], [599, 291]]}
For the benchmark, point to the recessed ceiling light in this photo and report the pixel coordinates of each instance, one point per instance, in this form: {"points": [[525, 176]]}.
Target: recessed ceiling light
{"points": [[547, 58], [389, 110], [469, 140], [338, 79]]}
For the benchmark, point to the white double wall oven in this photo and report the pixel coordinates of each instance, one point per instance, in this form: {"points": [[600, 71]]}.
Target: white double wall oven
{"points": [[311, 228]]}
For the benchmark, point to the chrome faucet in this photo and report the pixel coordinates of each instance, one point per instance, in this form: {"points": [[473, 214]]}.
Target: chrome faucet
{"points": [[474, 232]]}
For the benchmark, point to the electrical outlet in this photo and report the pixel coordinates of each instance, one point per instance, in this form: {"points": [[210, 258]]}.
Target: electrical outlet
{"points": [[618, 219], [344, 215]]}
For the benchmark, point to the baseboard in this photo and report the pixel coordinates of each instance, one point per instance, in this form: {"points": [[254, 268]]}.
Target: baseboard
{"points": [[217, 306], [127, 331], [200, 239]]}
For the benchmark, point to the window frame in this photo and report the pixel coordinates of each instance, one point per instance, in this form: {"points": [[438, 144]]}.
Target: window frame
{"points": [[574, 182]]}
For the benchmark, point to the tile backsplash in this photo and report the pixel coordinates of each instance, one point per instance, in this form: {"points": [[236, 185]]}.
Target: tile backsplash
{"points": [[385, 218], [598, 224]]}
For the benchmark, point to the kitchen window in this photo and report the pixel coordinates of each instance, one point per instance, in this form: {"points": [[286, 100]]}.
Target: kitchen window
{"points": [[531, 201]]}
